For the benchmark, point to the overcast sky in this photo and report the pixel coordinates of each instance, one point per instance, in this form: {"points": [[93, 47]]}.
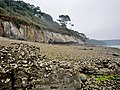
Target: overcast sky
{"points": [[98, 19]]}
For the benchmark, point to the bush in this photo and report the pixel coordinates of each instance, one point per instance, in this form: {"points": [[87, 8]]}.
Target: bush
{"points": [[16, 22]]}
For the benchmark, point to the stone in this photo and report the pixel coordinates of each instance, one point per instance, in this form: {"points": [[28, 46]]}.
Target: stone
{"points": [[30, 71], [82, 77], [116, 54], [54, 86]]}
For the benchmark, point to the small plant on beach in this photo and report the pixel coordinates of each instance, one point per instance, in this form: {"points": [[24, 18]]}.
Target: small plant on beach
{"points": [[104, 77]]}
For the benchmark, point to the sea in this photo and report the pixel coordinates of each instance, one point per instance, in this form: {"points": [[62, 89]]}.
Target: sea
{"points": [[115, 46]]}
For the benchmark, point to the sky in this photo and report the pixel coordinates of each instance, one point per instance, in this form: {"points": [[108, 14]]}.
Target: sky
{"points": [[98, 19]]}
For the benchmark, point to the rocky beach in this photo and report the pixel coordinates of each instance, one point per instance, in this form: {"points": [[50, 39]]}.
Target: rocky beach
{"points": [[36, 66], [43, 52]]}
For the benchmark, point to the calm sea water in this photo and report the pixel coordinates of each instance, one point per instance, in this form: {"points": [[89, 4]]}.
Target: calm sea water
{"points": [[116, 46]]}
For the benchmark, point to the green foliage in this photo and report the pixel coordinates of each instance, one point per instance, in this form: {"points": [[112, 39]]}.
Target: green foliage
{"points": [[2, 10], [63, 20], [47, 17], [2, 5], [17, 22], [100, 78], [104, 78]]}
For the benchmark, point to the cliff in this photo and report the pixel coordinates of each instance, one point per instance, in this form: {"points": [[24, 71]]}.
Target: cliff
{"points": [[25, 32], [31, 24]]}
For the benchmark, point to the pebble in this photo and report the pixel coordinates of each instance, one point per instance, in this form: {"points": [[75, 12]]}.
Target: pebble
{"points": [[28, 65], [83, 77]]}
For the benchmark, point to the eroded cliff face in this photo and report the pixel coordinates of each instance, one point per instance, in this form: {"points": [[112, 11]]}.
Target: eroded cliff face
{"points": [[24, 32]]}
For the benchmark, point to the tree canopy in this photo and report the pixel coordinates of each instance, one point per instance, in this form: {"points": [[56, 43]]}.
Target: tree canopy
{"points": [[64, 19]]}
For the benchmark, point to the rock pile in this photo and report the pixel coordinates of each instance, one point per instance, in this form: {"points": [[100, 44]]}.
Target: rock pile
{"points": [[103, 74], [22, 67], [103, 67]]}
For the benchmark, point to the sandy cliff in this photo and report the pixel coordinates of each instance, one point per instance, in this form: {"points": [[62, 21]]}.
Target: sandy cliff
{"points": [[24, 32]]}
